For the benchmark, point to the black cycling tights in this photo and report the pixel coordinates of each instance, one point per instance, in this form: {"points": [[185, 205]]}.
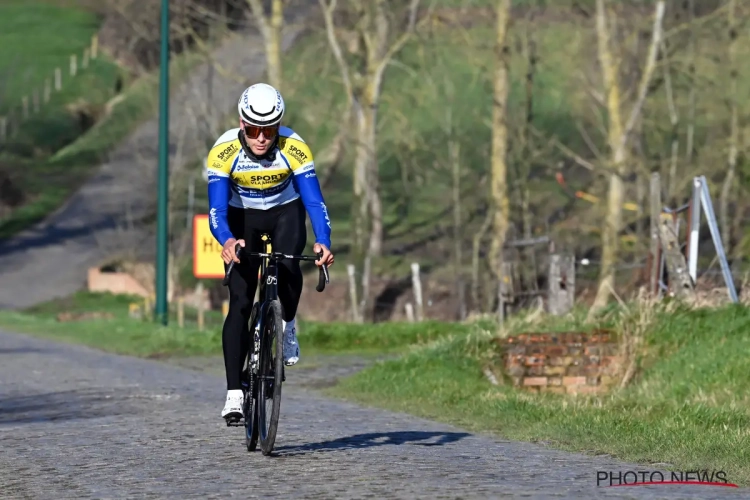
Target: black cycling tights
{"points": [[286, 225]]}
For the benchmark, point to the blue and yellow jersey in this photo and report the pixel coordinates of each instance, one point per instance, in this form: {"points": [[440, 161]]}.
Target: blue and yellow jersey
{"points": [[239, 180]]}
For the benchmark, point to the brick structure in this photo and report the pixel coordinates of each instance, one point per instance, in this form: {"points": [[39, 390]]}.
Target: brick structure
{"points": [[565, 363], [99, 281]]}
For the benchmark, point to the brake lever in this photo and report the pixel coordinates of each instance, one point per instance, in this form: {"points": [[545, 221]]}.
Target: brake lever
{"points": [[323, 276]]}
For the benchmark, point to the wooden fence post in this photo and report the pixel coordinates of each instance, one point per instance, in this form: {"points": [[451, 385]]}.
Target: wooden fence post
{"points": [[409, 312], [351, 272], [416, 283], [181, 312], [94, 46], [562, 279], [201, 305]]}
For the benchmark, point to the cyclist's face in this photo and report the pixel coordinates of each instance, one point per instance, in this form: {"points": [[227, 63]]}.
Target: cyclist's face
{"points": [[259, 139]]}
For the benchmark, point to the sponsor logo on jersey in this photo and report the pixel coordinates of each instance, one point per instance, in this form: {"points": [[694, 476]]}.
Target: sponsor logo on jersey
{"points": [[267, 179], [325, 211], [245, 166], [298, 154], [311, 174], [214, 219], [228, 152]]}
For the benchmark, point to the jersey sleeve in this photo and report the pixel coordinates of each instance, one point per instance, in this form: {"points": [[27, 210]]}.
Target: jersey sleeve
{"points": [[302, 165], [219, 166]]}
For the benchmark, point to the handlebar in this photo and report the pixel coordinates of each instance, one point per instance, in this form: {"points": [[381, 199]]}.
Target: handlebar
{"points": [[323, 276]]}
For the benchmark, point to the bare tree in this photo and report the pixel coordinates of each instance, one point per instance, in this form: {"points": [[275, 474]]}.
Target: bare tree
{"points": [[378, 39], [270, 27], [618, 136], [693, 86], [499, 179], [733, 126]]}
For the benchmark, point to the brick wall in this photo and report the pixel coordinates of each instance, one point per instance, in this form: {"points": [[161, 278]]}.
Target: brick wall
{"points": [[566, 363]]}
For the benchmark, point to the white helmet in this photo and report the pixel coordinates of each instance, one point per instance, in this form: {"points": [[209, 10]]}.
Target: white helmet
{"points": [[261, 105]]}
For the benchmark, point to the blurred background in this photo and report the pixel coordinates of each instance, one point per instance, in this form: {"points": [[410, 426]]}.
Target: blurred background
{"points": [[472, 138]]}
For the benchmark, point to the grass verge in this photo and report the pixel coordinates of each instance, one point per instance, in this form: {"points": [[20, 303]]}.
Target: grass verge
{"points": [[687, 407], [124, 335]]}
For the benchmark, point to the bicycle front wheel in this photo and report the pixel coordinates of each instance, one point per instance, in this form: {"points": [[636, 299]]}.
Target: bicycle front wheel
{"points": [[270, 375]]}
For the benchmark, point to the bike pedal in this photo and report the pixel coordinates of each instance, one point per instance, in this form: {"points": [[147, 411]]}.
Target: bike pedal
{"points": [[235, 422]]}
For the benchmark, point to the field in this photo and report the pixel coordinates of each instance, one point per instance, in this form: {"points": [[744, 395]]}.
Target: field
{"points": [[54, 151], [26, 62]]}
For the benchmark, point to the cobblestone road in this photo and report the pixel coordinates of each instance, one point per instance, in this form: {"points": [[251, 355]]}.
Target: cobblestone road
{"points": [[79, 423]]}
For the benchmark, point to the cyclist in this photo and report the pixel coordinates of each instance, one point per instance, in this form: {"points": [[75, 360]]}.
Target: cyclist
{"points": [[261, 179]]}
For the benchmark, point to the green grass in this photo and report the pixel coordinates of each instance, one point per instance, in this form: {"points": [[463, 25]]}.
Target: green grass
{"points": [[687, 407], [29, 53], [125, 335], [51, 157], [37, 36]]}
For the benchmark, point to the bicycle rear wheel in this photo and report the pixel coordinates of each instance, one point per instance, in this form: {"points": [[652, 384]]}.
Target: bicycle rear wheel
{"points": [[271, 371]]}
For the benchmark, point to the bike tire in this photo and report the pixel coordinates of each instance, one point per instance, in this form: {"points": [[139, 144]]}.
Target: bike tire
{"points": [[273, 332], [251, 419], [251, 396]]}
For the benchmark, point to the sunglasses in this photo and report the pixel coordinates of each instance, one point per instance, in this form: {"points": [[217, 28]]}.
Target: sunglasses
{"points": [[252, 132]]}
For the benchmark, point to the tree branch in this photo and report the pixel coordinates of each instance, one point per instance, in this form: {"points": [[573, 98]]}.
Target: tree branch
{"points": [[647, 72], [401, 41], [328, 9]]}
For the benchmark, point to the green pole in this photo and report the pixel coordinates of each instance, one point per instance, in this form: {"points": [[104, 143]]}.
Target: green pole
{"points": [[162, 229]]}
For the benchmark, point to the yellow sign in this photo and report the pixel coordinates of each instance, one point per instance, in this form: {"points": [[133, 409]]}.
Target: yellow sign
{"points": [[207, 262]]}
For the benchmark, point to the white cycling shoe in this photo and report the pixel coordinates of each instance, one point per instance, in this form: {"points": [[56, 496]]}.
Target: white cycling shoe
{"points": [[233, 406], [291, 346]]}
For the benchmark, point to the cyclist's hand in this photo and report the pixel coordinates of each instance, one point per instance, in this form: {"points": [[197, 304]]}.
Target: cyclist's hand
{"points": [[227, 253], [327, 257]]}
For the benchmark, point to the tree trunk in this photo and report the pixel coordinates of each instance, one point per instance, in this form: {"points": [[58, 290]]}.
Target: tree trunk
{"points": [[499, 180], [370, 101], [270, 28], [733, 132], [613, 218], [360, 202], [617, 137], [476, 286], [273, 44], [454, 153], [691, 99]]}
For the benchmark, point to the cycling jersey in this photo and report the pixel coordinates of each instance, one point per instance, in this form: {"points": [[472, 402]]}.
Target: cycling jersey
{"points": [[239, 179]]}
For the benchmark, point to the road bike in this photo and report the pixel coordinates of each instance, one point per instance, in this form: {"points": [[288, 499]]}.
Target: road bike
{"points": [[263, 371]]}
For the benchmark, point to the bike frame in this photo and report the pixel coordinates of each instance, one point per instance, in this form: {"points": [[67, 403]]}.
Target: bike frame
{"points": [[269, 272]]}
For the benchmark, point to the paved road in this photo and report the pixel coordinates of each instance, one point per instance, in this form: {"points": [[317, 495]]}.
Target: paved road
{"points": [[50, 260], [79, 423]]}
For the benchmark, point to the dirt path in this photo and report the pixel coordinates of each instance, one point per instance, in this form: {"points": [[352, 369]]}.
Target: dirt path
{"points": [[50, 260], [80, 423]]}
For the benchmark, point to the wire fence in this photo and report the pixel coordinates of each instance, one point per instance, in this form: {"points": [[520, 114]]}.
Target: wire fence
{"points": [[34, 101]]}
